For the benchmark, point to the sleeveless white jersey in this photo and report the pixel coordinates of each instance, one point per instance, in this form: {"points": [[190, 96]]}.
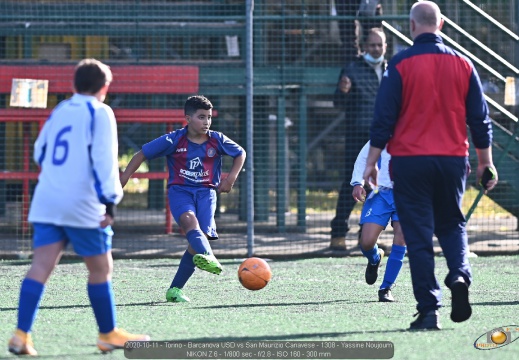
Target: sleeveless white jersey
{"points": [[384, 179], [77, 151]]}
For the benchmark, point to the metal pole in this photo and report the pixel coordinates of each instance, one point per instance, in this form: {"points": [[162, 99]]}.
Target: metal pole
{"points": [[301, 188], [249, 165]]}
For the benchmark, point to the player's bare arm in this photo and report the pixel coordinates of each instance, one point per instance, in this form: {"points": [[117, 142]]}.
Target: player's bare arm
{"points": [[132, 167], [226, 184], [371, 170]]}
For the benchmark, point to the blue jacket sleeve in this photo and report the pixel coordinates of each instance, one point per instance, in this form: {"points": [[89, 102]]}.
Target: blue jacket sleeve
{"points": [[387, 107], [478, 120]]}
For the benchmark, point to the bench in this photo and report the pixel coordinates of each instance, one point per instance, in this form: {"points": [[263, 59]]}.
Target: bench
{"points": [[128, 79]]}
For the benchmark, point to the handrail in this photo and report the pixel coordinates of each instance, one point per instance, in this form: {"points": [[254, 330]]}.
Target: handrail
{"points": [[397, 33], [492, 20], [473, 57], [461, 48], [480, 44], [500, 108], [468, 53]]}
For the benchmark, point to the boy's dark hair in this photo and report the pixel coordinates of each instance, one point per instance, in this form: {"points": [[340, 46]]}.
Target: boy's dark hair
{"points": [[91, 75], [197, 102]]}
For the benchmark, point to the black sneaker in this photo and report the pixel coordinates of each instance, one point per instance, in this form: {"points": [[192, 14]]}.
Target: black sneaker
{"points": [[461, 309], [372, 270], [429, 320], [384, 295]]}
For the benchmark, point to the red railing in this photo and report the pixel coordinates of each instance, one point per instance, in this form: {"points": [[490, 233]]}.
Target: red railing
{"points": [[146, 79], [27, 175]]}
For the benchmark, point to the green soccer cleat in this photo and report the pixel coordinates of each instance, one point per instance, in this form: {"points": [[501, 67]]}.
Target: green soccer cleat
{"points": [[207, 263], [175, 294]]}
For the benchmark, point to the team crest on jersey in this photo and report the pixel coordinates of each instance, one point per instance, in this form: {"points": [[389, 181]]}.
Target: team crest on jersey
{"points": [[211, 152], [194, 163]]}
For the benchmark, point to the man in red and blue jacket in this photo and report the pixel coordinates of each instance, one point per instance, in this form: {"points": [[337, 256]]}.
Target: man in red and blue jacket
{"points": [[427, 97]]}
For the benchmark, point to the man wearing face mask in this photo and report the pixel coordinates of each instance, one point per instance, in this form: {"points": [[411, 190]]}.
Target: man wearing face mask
{"points": [[351, 30], [355, 94]]}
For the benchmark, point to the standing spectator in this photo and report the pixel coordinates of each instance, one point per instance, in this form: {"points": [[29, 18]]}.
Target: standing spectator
{"points": [[351, 30], [75, 200], [428, 96], [355, 94]]}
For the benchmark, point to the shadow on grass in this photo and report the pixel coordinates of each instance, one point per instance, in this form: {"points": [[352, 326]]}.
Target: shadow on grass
{"points": [[496, 303], [234, 306], [223, 261], [84, 306], [29, 262], [69, 355], [298, 336]]}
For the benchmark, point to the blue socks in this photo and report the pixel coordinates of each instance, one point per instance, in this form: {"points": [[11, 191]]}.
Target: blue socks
{"points": [[186, 268], [31, 293], [103, 303], [198, 241], [393, 266], [372, 255], [101, 298]]}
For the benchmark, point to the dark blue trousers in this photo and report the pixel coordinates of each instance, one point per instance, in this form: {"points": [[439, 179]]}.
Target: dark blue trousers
{"points": [[428, 191]]}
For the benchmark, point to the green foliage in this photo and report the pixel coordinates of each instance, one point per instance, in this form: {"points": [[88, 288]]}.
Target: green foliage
{"points": [[317, 201], [134, 185]]}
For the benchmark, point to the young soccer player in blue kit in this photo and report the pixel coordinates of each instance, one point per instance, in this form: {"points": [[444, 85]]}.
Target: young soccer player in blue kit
{"points": [[74, 201], [194, 158], [378, 209]]}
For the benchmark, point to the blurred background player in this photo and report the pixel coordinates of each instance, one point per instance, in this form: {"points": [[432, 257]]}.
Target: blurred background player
{"points": [[194, 158], [355, 94], [74, 201], [379, 208]]}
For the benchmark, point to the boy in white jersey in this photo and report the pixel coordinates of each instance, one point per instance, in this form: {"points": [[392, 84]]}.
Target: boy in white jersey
{"points": [[378, 209], [74, 201]]}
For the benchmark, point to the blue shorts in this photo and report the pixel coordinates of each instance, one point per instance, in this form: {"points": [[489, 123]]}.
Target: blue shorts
{"points": [[199, 200], [379, 208], [86, 242]]}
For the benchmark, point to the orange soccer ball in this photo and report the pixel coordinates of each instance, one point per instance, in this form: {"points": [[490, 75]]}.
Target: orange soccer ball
{"points": [[254, 273]]}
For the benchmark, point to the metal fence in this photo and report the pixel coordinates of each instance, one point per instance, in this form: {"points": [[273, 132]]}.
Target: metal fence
{"points": [[286, 115]]}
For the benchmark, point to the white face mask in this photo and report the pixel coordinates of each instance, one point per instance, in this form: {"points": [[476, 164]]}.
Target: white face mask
{"points": [[370, 59]]}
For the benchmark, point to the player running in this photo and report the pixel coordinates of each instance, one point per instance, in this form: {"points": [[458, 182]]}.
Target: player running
{"points": [[378, 209]]}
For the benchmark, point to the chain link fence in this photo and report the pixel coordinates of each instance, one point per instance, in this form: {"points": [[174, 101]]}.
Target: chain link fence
{"points": [[306, 131]]}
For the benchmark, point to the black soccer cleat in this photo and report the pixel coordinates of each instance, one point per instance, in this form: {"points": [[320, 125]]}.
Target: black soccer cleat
{"points": [[385, 295], [372, 270]]}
